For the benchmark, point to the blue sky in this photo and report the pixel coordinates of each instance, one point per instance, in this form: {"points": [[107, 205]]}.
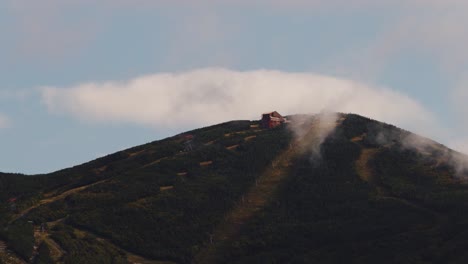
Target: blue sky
{"points": [[82, 79]]}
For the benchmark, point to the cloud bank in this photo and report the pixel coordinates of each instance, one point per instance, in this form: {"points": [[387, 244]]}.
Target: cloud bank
{"points": [[211, 95]]}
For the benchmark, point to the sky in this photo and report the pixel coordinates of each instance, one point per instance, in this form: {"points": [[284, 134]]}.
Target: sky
{"points": [[80, 79]]}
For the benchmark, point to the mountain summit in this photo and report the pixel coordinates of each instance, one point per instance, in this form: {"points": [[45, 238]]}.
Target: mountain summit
{"points": [[327, 188]]}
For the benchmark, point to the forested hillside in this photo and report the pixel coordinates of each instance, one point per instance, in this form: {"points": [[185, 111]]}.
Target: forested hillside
{"points": [[237, 193]]}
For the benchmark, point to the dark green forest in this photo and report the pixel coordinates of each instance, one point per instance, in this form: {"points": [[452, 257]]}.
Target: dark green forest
{"points": [[368, 197]]}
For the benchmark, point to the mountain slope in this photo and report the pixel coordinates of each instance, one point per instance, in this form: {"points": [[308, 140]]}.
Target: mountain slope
{"points": [[234, 193], [409, 209]]}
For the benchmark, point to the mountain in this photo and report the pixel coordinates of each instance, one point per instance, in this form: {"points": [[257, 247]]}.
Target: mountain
{"points": [[319, 189]]}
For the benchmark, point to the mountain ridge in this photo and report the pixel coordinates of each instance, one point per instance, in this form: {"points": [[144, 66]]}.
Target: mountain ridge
{"points": [[164, 200]]}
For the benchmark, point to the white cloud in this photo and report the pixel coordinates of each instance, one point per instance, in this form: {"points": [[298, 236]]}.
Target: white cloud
{"points": [[208, 96]]}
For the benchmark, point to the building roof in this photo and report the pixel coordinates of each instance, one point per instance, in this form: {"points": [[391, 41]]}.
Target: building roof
{"points": [[274, 114]]}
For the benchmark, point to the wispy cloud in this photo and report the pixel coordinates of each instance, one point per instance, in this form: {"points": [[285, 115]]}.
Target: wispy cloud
{"points": [[59, 27], [52, 29], [207, 96], [4, 121]]}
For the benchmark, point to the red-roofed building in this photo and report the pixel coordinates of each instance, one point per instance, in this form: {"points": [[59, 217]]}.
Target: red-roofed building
{"points": [[272, 119]]}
